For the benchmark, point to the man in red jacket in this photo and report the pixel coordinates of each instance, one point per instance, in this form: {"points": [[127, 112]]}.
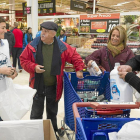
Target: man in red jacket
{"points": [[44, 58], [17, 49]]}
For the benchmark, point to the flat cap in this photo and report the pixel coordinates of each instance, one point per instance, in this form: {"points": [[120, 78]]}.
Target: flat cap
{"points": [[49, 25]]}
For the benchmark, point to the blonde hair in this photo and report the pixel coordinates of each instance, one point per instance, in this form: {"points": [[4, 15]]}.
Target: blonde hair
{"points": [[123, 35]]}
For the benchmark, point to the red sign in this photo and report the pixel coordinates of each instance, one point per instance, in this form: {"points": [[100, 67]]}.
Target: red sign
{"points": [[98, 23], [100, 16]]}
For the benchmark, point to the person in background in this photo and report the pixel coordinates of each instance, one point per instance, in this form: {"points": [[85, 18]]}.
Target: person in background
{"points": [[27, 37], [115, 51], [17, 49], [5, 64], [44, 58], [10, 37], [62, 36], [39, 32]]}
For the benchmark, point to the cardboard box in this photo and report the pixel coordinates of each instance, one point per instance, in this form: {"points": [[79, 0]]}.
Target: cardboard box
{"points": [[48, 130], [27, 129], [70, 40], [77, 42]]}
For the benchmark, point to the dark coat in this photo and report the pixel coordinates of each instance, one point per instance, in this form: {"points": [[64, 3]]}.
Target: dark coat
{"points": [[100, 56], [11, 39]]}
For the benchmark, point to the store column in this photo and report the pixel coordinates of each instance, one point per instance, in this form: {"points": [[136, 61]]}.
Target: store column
{"points": [[12, 12], [29, 16], [34, 14]]}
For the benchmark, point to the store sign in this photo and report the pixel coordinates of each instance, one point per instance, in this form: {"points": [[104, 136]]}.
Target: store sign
{"points": [[24, 5], [28, 10], [43, 7], [78, 6], [46, 6], [98, 23]]}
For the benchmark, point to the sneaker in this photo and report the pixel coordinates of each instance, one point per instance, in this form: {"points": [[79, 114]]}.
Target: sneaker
{"points": [[57, 137], [61, 132], [20, 71]]}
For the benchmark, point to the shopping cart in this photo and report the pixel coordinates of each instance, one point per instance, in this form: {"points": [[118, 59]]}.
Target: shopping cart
{"points": [[73, 85], [98, 128]]}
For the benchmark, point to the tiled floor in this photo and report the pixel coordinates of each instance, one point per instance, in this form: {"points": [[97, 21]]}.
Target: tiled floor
{"points": [[23, 79]]}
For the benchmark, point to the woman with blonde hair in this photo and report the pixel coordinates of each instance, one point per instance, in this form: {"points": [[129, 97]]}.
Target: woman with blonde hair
{"points": [[115, 51]]}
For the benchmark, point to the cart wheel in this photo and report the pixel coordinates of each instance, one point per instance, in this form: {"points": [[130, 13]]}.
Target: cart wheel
{"points": [[61, 132]]}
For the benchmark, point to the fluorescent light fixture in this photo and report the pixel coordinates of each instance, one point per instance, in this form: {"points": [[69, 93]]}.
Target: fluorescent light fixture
{"points": [[117, 5], [125, 2], [2, 3], [120, 4]]}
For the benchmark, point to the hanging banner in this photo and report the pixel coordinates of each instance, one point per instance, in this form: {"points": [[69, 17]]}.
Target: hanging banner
{"points": [[77, 6], [46, 6], [98, 23]]}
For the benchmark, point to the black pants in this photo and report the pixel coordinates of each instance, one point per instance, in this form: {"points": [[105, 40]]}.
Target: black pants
{"points": [[1, 119], [51, 105], [16, 52]]}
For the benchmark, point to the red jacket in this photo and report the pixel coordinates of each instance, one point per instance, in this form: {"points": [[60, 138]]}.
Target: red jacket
{"points": [[68, 54], [18, 34], [100, 56]]}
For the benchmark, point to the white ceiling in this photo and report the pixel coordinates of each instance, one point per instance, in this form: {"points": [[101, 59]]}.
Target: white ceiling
{"points": [[104, 6]]}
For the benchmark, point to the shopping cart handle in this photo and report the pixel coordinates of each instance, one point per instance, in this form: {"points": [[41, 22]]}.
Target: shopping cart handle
{"points": [[96, 105]]}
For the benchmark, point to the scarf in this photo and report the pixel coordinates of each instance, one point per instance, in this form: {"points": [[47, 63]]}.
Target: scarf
{"points": [[115, 50], [55, 67]]}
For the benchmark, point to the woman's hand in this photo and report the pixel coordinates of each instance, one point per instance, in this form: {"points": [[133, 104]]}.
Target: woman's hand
{"points": [[89, 63]]}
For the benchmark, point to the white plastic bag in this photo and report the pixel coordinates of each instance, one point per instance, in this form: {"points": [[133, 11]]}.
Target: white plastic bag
{"points": [[112, 136], [16, 101], [130, 131]]}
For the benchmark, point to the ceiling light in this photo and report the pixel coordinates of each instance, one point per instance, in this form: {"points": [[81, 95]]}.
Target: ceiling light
{"points": [[117, 5], [2, 3], [124, 2], [120, 4]]}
